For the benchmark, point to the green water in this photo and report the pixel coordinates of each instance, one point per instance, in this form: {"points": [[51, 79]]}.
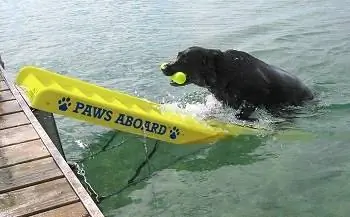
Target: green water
{"points": [[120, 44]]}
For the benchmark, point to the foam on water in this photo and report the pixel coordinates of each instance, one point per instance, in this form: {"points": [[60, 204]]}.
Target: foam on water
{"points": [[211, 108], [197, 109], [81, 144]]}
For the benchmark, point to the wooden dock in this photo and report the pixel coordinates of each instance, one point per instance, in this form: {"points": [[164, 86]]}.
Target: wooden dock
{"points": [[35, 180]]}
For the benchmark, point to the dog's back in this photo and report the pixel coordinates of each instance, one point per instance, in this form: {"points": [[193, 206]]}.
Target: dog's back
{"points": [[261, 83], [286, 87]]}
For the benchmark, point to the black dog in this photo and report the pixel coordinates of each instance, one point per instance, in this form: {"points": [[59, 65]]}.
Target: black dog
{"points": [[239, 80]]}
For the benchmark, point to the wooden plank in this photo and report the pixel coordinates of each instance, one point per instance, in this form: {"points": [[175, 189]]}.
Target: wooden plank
{"points": [[9, 107], [83, 195], [74, 210], [27, 174], [3, 86], [21, 153], [36, 199], [6, 95], [17, 135], [13, 120]]}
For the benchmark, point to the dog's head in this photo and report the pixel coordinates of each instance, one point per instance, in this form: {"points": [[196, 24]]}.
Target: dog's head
{"points": [[198, 64]]}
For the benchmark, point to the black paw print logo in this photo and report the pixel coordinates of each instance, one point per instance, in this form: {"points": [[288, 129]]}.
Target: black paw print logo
{"points": [[64, 103], [174, 133]]}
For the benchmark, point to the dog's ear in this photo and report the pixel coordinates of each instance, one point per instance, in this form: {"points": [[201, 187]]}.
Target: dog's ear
{"points": [[210, 60], [210, 56]]}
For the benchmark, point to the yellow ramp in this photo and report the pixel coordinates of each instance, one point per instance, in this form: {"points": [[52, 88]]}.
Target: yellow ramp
{"points": [[63, 95]]}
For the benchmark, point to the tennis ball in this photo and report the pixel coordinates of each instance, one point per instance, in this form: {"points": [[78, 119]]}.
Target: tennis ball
{"points": [[179, 77]]}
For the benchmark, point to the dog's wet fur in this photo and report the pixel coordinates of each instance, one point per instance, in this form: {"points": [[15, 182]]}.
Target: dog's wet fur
{"points": [[239, 80]]}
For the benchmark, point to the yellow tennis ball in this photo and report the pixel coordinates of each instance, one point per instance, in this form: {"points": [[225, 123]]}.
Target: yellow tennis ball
{"points": [[179, 77]]}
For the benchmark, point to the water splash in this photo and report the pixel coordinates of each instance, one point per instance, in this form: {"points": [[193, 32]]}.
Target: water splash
{"points": [[207, 107]]}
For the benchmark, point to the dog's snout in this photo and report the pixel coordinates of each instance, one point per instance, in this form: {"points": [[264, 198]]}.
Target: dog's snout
{"points": [[166, 69], [163, 66]]}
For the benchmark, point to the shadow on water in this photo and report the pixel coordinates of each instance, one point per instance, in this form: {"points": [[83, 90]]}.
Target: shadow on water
{"points": [[234, 151], [124, 153]]}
